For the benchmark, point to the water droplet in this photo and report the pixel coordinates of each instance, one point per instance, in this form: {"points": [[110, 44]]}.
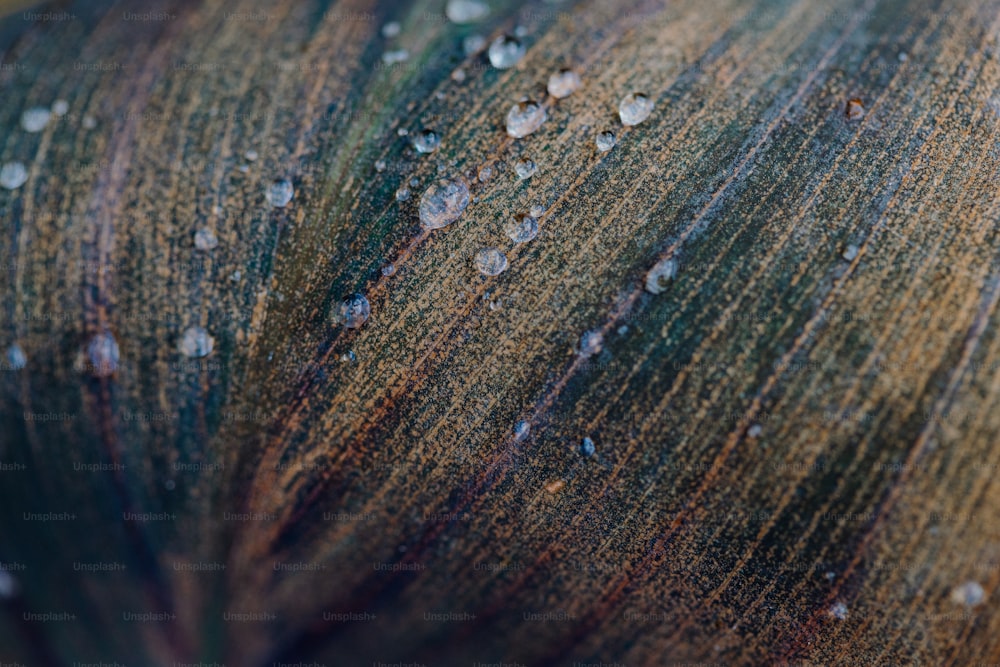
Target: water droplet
{"points": [[380, 166], [660, 275], [443, 203], [16, 358], [970, 594], [280, 193], [485, 174], [525, 168], [755, 431], [414, 182], [60, 107], [634, 108], [349, 357], [838, 611], [850, 252], [505, 51], [103, 353], [389, 270], [35, 119], [403, 193], [606, 141], [89, 122], [591, 343], [466, 11], [195, 342], [395, 56], [521, 430], [903, 57], [458, 76], [8, 585], [537, 211], [524, 118], [563, 83], [855, 109], [170, 485], [391, 29], [13, 175], [205, 239], [522, 229], [354, 311], [426, 141], [490, 261], [251, 155], [587, 447], [473, 44], [236, 275]]}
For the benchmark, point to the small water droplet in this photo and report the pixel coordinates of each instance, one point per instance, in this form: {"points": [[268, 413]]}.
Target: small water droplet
{"points": [[403, 193], [524, 118], [354, 311], [395, 56], [505, 51], [380, 166], [838, 611], [622, 330], [969, 594], [426, 141], [537, 211], [855, 109], [634, 108], [466, 11], [13, 175], [16, 358], [280, 192], [521, 430], [349, 357], [563, 83], [485, 174], [660, 275], [35, 119], [8, 585], [196, 342], [443, 202], [60, 107], [205, 239], [473, 44], [170, 485], [89, 122], [389, 270], [251, 155], [414, 182], [755, 431], [391, 29], [490, 261], [525, 168], [103, 353], [522, 228], [606, 141], [591, 343], [850, 252], [236, 275], [587, 447], [903, 57], [458, 76]]}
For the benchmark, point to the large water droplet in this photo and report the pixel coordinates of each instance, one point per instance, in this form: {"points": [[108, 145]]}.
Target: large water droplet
{"points": [[35, 119], [16, 358], [426, 141], [13, 175], [635, 108], [443, 203], [354, 311], [522, 229], [606, 141], [563, 83], [490, 261], [587, 447], [196, 342], [591, 342], [205, 239], [103, 354], [525, 168], [524, 118], [505, 51], [660, 275], [466, 11], [280, 192]]}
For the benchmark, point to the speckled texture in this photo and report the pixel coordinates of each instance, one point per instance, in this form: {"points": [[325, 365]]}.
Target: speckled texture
{"points": [[796, 453]]}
